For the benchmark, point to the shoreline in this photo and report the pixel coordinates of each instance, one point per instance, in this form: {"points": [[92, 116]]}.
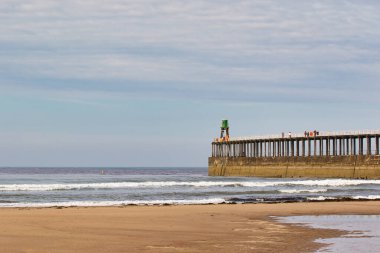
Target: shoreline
{"points": [[170, 228], [286, 201]]}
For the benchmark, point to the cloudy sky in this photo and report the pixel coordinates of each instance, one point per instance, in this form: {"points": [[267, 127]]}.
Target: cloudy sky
{"points": [[146, 83]]}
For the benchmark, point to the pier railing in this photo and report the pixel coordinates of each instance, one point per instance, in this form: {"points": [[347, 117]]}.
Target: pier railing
{"points": [[300, 135]]}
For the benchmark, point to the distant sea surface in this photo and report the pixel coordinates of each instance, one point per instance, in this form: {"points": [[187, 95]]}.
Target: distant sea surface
{"points": [[46, 187]]}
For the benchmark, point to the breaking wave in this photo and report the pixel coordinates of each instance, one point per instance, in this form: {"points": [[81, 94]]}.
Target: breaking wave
{"points": [[303, 191], [118, 203], [187, 202], [324, 198], [152, 184]]}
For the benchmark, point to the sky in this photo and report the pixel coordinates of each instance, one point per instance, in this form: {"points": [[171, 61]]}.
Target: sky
{"points": [[147, 82]]}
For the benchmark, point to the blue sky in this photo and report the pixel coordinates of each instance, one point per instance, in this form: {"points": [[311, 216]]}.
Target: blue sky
{"points": [[146, 83]]}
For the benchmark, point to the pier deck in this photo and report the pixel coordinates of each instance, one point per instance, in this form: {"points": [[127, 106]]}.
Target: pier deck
{"points": [[323, 144]]}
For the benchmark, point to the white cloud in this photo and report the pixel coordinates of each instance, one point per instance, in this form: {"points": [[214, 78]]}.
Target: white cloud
{"points": [[245, 47]]}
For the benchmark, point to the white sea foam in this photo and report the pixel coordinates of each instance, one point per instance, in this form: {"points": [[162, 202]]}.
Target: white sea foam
{"points": [[323, 198], [150, 184], [303, 190], [119, 203], [160, 202], [371, 197]]}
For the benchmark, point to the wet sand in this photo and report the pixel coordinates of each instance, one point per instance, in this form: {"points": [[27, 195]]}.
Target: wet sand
{"points": [[203, 228]]}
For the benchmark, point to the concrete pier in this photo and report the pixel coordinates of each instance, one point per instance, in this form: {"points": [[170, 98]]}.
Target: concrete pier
{"points": [[313, 154]]}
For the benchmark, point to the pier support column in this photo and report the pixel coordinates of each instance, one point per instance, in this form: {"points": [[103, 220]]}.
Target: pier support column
{"points": [[352, 146], [308, 147], [271, 145], [287, 148], [328, 147], [282, 148], [258, 149], [377, 145], [361, 149], [369, 140], [265, 148], [334, 146], [315, 146], [292, 147], [298, 147], [303, 148], [277, 148]]}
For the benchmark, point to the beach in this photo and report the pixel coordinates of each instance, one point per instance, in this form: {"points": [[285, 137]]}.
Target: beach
{"points": [[174, 228]]}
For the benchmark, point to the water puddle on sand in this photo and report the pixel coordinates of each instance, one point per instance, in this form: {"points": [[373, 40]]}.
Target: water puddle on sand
{"points": [[363, 231]]}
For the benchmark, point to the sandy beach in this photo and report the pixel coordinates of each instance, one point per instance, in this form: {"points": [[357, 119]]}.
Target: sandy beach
{"points": [[195, 228]]}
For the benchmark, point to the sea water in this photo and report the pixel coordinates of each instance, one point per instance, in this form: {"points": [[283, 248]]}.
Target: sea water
{"points": [[44, 187], [362, 231]]}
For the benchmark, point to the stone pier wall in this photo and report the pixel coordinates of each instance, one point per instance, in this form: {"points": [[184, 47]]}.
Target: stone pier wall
{"points": [[365, 167]]}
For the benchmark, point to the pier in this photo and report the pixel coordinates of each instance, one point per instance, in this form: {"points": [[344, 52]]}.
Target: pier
{"points": [[314, 154], [360, 143]]}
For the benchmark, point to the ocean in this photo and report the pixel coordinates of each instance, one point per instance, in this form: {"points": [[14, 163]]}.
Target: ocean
{"points": [[48, 187]]}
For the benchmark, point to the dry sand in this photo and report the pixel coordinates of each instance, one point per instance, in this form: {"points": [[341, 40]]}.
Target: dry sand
{"points": [[205, 228]]}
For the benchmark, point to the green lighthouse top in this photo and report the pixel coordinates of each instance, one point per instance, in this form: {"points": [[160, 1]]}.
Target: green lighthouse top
{"points": [[224, 124]]}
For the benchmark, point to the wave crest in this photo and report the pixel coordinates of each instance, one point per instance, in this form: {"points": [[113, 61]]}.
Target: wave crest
{"points": [[119, 203], [152, 184]]}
